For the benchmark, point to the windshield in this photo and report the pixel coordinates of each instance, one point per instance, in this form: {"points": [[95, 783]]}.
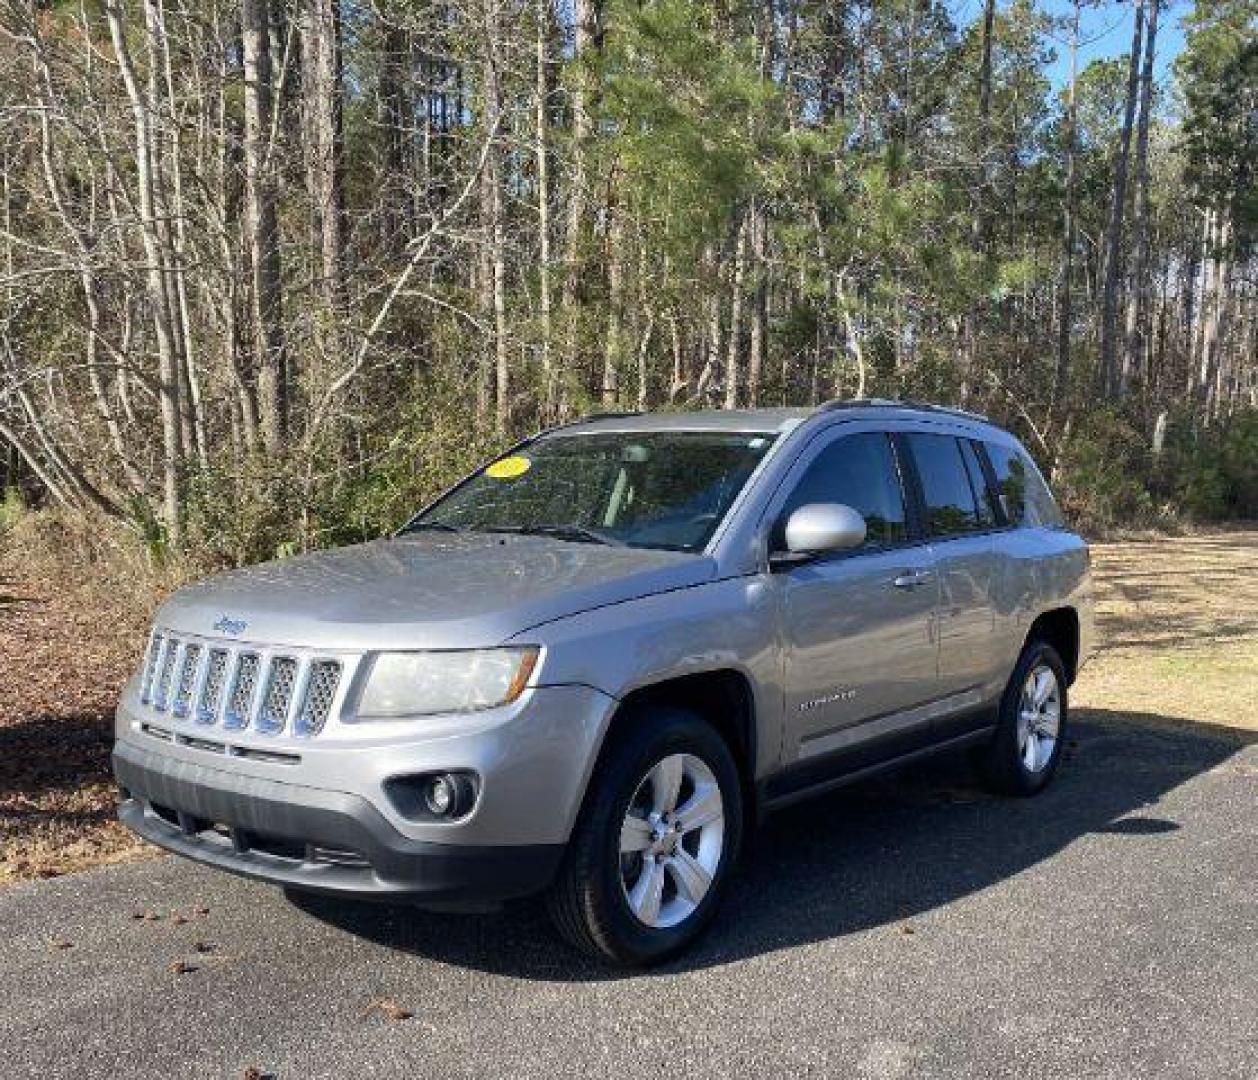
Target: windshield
{"points": [[658, 489]]}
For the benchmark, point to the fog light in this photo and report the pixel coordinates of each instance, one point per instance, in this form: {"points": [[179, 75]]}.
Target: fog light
{"points": [[444, 796], [439, 795]]}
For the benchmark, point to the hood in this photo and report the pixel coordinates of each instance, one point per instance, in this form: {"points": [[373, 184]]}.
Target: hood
{"points": [[424, 590]]}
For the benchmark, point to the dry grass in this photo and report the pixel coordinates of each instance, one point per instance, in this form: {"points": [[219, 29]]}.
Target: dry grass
{"points": [[1177, 625]]}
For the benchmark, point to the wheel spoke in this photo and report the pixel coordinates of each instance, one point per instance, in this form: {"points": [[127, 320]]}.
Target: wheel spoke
{"points": [[689, 874], [635, 834], [1030, 753], [647, 893], [702, 808], [1045, 684], [666, 783]]}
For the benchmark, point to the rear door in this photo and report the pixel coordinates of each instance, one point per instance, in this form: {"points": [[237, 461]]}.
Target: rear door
{"points": [[958, 516], [857, 626]]}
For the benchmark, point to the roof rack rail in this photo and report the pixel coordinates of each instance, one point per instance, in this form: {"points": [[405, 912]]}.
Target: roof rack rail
{"points": [[610, 415], [892, 403]]}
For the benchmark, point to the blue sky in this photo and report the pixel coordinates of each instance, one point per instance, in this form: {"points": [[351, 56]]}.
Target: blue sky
{"points": [[1104, 31]]}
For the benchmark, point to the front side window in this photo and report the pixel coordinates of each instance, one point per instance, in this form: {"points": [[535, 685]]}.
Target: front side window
{"points": [[653, 489], [950, 504], [1026, 498], [860, 471]]}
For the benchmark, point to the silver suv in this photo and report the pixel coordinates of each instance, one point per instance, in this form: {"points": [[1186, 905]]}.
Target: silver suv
{"points": [[590, 666]]}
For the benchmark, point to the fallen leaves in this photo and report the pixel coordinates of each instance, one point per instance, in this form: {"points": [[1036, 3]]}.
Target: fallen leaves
{"points": [[389, 1009], [64, 657]]}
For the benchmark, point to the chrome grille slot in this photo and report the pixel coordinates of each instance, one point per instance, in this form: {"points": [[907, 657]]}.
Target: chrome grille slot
{"points": [[278, 696], [189, 666], [316, 705], [244, 684], [150, 667], [212, 691], [165, 670]]}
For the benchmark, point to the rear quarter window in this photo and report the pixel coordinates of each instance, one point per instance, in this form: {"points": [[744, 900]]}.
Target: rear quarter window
{"points": [[1023, 493]]}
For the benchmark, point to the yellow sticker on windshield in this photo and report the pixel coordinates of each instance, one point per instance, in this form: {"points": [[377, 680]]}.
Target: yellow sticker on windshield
{"points": [[509, 468]]}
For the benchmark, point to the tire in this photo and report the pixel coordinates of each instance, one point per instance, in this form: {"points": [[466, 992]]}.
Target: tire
{"points": [[628, 891], [1026, 750]]}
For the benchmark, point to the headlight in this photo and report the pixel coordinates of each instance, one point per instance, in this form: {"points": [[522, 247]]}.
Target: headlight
{"points": [[420, 683]]}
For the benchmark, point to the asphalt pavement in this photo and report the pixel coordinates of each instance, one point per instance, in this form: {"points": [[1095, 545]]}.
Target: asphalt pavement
{"points": [[909, 927]]}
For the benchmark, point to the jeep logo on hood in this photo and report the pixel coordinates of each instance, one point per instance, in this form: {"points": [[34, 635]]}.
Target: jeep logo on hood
{"points": [[229, 626]]}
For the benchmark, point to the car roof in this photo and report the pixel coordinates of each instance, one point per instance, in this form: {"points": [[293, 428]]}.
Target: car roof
{"points": [[768, 421]]}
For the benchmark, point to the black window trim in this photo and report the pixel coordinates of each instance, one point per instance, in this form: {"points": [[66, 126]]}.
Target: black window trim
{"points": [[1003, 521], [918, 515]]}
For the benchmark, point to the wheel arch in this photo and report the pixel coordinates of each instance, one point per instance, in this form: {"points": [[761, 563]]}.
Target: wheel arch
{"points": [[723, 697], [1059, 627]]}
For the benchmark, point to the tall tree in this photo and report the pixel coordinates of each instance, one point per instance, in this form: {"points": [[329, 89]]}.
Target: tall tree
{"points": [[261, 223], [1114, 223]]}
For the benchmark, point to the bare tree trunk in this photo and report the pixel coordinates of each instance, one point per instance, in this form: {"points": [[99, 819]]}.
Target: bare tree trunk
{"points": [[732, 356], [588, 42], [1138, 295], [541, 153], [613, 346], [1065, 308], [324, 146], [159, 300], [1114, 225], [261, 226], [492, 205], [977, 230], [759, 307]]}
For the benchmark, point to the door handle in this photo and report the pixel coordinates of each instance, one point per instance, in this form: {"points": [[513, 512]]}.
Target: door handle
{"points": [[911, 579]]}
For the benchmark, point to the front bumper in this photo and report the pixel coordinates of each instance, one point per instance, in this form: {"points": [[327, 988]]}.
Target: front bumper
{"points": [[312, 839]]}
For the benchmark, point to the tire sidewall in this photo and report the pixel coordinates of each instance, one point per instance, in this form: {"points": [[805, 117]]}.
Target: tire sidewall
{"points": [[1025, 781]]}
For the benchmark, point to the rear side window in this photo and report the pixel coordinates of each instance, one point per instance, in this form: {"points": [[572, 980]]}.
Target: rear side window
{"points": [[860, 471], [950, 503], [1025, 496]]}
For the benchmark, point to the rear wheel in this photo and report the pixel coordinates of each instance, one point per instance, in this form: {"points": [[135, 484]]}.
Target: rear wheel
{"points": [[651, 852], [1024, 754]]}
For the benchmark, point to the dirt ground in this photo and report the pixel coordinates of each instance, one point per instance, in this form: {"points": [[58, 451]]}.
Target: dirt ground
{"points": [[1177, 629]]}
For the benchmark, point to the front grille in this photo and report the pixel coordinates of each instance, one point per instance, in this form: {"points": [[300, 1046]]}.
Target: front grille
{"points": [[279, 694], [165, 668], [240, 704], [212, 691], [189, 667], [239, 688], [150, 667], [325, 676]]}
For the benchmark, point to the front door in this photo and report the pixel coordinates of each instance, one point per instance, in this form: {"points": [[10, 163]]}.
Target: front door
{"points": [[858, 627]]}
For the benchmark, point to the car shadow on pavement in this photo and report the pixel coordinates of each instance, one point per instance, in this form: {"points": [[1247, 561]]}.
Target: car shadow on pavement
{"points": [[873, 855]]}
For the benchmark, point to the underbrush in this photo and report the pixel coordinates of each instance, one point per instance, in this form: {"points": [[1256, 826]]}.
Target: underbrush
{"points": [[102, 562]]}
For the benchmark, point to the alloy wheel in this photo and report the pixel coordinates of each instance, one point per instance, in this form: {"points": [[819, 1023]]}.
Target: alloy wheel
{"points": [[671, 840], [1039, 718]]}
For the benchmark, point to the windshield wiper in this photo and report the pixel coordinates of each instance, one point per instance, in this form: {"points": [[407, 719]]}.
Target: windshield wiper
{"points": [[435, 526], [567, 531]]}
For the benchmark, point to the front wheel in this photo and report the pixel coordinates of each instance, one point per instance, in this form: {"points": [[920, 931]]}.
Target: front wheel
{"points": [[1030, 732], [651, 852]]}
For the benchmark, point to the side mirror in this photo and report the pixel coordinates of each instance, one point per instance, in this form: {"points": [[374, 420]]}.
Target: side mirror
{"points": [[818, 528]]}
